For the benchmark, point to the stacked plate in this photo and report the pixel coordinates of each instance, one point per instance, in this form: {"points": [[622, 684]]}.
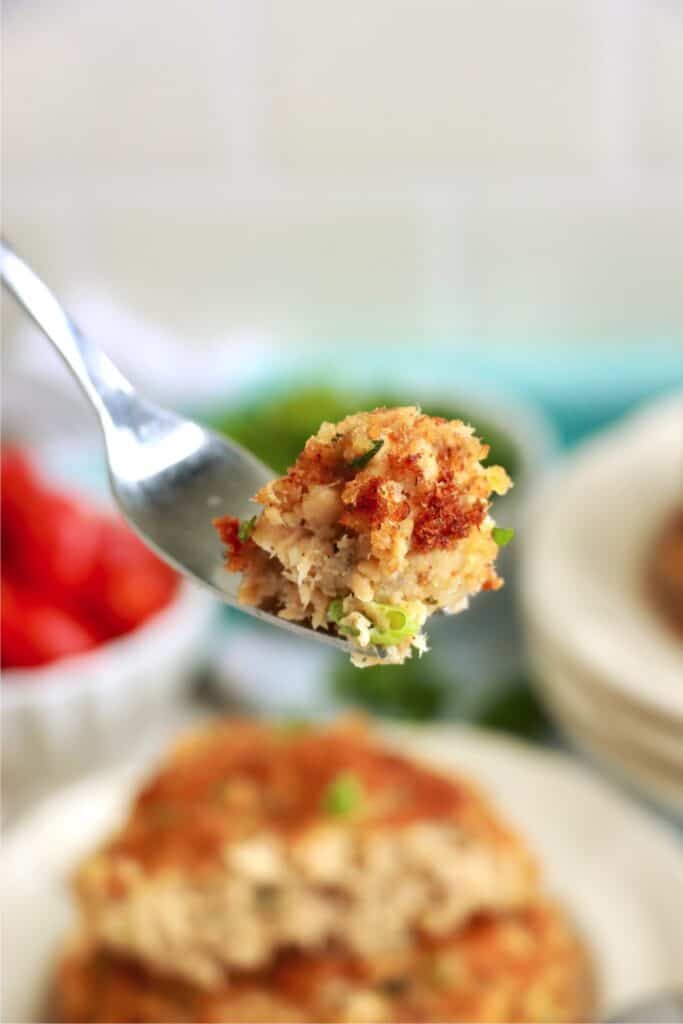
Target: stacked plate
{"points": [[608, 667]]}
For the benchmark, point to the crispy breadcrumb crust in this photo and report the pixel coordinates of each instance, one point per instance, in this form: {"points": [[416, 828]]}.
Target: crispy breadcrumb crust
{"points": [[387, 506], [231, 853]]}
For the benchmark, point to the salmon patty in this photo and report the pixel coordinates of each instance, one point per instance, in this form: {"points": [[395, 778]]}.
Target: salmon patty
{"points": [[383, 520], [253, 839], [526, 965]]}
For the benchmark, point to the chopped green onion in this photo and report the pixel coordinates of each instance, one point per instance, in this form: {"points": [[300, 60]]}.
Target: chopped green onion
{"points": [[335, 609], [362, 460], [343, 795], [502, 535], [293, 726], [349, 630], [245, 529], [164, 814], [396, 625]]}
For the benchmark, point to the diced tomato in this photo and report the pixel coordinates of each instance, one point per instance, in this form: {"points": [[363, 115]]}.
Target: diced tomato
{"points": [[130, 583], [17, 478], [19, 489], [71, 577], [34, 633], [54, 542]]}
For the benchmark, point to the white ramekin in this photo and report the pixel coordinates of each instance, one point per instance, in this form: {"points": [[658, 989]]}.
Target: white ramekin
{"points": [[81, 712]]}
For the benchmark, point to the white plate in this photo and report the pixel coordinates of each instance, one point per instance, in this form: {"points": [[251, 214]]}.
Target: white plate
{"points": [[595, 700], [640, 775], [585, 547], [644, 769], [87, 711], [619, 872]]}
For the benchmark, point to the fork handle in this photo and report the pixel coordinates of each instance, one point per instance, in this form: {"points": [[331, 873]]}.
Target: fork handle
{"points": [[105, 387]]}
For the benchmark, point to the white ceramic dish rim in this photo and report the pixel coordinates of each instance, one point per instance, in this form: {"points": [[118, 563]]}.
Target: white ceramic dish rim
{"points": [[531, 432], [602, 688], [609, 754], [638, 950], [548, 605], [654, 775], [596, 703]]}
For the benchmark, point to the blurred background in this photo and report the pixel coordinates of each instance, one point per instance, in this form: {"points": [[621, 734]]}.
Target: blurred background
{"points": [[272, 213], [501, 172]]}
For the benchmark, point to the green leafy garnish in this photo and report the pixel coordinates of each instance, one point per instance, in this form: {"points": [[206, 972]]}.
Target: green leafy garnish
{"points": [[276, 426], [502, 535], [245, 529], [335, 609], [394, 625], [343, 796], [415, 691], [515, 709], [293, 726], [362, 460]]}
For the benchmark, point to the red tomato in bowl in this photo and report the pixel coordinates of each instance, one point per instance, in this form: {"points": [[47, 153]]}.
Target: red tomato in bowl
{"points": [[71, 577], [129, 582], [55, 543], [17, 478], [35, 632]]}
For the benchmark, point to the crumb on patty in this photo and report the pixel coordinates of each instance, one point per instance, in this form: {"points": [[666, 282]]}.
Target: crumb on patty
{"points": [[383, 520], [252, 839]]}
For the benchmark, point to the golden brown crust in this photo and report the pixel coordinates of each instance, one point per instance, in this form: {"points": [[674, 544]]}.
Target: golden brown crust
{"points": [[240, 848], [444, 506], [236, 550], [389, 507], [527, 966], [444, 516], [240, 777]]}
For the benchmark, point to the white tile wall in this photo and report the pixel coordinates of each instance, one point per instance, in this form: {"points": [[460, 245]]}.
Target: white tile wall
{"points": [[389, 169], [660, 88], [576, 270], [431, 85], [106, 85], [334, 273]]}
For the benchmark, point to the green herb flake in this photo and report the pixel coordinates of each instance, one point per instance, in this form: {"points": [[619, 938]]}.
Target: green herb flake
{"points": [[335, 609], [245, 529], [275, 426], [343, 796], [349, 631], [293, 726], [222, 791], [502, 535], [164, 815], [362, 460]]}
